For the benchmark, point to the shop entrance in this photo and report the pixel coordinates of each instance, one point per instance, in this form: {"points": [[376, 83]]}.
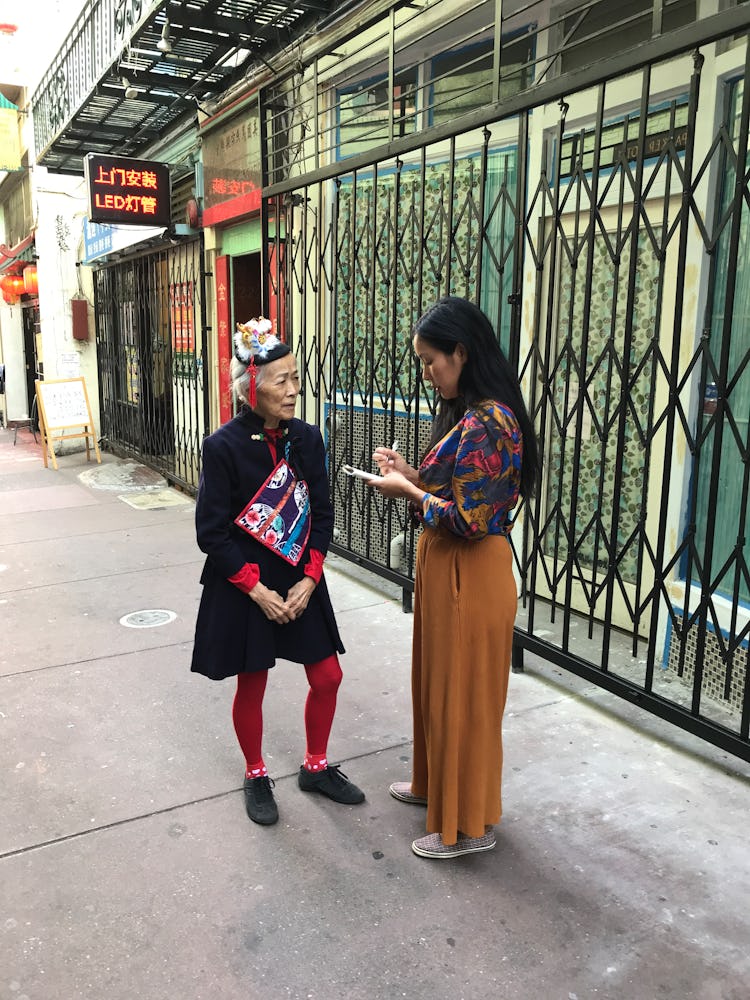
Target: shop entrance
{"points": [[246, 292]]}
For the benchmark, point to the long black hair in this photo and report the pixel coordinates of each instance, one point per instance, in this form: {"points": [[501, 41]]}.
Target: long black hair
{"points": [[486, 375]]}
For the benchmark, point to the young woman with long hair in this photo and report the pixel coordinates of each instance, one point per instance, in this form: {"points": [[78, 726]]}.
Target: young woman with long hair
{"points": [[482, 457]]}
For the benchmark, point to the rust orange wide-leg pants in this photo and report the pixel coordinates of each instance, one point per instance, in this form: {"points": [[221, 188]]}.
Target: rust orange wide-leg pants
{"points": [[465, 601]]}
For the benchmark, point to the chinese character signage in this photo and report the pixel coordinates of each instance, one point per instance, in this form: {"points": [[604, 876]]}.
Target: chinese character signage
{"points": [[127, 192], [97, 240], [181, 315], [225, 342], [232, 167], [100, 239]]}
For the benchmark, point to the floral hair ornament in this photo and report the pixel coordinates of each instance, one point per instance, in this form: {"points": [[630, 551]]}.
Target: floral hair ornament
{"points": [[254, 344]]}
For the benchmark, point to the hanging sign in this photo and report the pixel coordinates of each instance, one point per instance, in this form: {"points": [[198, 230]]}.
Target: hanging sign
{"points": [[232, 167], [129, 192]]}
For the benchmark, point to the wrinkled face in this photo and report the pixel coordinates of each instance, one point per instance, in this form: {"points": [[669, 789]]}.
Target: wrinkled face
{"points": [[441, 370], [276, 395]]}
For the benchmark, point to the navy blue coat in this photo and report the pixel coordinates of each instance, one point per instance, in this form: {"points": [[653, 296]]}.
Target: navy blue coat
{"points": [[232, 635]]}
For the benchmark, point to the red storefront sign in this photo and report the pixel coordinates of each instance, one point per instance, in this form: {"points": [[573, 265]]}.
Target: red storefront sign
{"points": [[181, 316], [232, 166], [225, 344]]}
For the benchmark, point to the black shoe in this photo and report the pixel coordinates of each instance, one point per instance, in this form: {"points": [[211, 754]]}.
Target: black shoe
{"points": [[332, 783], [259, 801]]}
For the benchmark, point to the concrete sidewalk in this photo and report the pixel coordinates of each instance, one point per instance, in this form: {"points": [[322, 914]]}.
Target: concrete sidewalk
{"points": [[128, 868]]}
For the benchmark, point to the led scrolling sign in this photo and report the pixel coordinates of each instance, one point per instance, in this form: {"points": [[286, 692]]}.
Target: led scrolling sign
{"points": [[124, 191]]}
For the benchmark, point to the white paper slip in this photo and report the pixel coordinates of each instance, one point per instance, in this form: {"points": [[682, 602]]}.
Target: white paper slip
{"points": [[359, 473]]}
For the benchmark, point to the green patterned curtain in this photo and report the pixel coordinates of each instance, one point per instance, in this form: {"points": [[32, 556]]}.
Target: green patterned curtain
{"points": [[599, 377], [384, 258]]}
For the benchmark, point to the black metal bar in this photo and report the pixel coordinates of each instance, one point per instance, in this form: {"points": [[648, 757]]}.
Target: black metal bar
{"points": [[400, 238], [721, 382], [300, 235], [497, 47], [448, 239], [674, 363], [630, 307], [590, 243], [370, 351], [644, 570], [316, 114], [394, 340], [352, 268], [550, 342]]}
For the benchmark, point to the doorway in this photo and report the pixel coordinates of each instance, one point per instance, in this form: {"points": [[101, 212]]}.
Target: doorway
{"points": [[246, 287], [33, 368]]}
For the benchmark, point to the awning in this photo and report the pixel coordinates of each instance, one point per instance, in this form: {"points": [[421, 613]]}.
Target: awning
{"points": [[99, 241], [12, 259]]}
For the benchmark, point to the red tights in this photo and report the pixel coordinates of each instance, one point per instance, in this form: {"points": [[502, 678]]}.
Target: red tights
{"points": [[324, 678]]}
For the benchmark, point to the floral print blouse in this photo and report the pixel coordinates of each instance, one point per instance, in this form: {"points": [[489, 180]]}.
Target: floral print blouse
{"points": [[472, 475]]}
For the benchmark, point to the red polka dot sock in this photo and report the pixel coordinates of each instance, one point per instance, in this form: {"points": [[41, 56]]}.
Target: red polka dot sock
{"points": [[258, 770], [315, 762]]}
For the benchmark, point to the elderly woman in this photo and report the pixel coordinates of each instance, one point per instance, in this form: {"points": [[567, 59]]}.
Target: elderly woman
{"points": [[264, 520]]}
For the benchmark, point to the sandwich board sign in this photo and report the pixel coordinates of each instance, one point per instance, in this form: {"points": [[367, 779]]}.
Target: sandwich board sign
{"points": [[64, 414]]}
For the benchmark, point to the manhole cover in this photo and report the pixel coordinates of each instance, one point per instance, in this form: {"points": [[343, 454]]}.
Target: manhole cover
{"points": [[148, 619]]}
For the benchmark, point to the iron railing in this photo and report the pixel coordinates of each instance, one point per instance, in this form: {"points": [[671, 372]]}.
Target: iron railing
{"points": [[609, 248], [151, 340]]}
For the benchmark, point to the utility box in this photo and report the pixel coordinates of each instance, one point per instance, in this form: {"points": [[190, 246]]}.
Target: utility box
{"points": [[80, 311]]}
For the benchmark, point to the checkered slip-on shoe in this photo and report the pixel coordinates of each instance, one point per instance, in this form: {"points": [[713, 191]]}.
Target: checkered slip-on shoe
{"points": [[432, 845], [401, 790]]}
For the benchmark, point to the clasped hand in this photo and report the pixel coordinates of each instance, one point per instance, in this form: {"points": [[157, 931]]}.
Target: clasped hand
{"points": [[281, 611]]}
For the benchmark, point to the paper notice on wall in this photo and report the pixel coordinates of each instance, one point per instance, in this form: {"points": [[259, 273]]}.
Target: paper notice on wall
{"points": [[69, 364]]}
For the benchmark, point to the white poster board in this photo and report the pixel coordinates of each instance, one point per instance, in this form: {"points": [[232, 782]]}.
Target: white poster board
{"points": [[65, 413]]}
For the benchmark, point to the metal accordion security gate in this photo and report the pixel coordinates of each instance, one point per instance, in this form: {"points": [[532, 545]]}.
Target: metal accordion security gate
{"points": [[609, 246], [150, 331]]}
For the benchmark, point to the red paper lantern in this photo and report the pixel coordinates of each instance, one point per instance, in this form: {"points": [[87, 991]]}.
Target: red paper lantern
{"points": [[10, 299], [30, 281], [12, 284]]}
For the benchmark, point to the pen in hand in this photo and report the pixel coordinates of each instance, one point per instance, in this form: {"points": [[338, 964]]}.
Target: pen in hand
{"points": [[394, 447]]}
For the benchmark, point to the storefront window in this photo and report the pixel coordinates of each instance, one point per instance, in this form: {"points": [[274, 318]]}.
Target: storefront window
{"points": [[609, 28], [461, 79], [364, 112]]}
